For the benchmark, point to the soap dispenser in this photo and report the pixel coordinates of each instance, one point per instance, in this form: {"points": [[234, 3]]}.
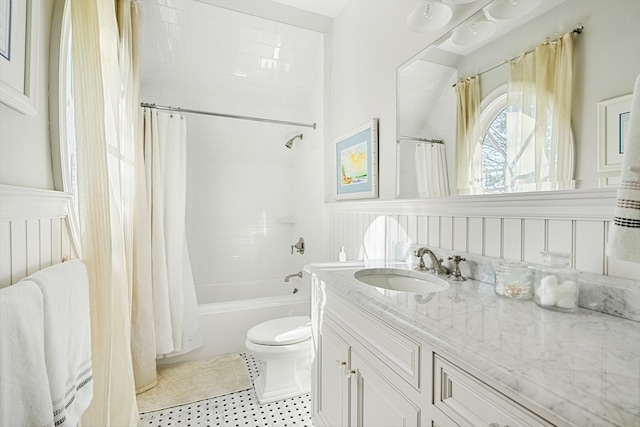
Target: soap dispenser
{"points": [[342, 256]]}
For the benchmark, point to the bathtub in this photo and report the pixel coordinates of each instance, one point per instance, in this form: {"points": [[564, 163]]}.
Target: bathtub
{"points": [[228, 310]]}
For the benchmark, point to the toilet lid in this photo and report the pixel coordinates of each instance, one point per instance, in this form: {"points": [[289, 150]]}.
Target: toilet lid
{"points": [[282, 331]]}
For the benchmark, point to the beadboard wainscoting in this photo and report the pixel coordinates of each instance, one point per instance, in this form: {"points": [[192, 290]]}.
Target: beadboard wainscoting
{"points": [[34, 231], [514, 227]]}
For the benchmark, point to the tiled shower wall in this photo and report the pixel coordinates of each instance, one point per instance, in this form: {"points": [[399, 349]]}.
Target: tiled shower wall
{"points": [[371, 235], [248, 197]]}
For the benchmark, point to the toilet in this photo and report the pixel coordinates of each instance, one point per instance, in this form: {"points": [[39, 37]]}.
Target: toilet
{"points": [[284, 347]]}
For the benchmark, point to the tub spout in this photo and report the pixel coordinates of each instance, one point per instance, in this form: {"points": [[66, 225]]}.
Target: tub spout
{"points": [[298, 274]]}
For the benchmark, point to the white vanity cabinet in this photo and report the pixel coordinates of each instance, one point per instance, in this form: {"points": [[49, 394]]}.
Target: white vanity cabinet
{"points": [[331, 391], [367, 373], [353, 389]]}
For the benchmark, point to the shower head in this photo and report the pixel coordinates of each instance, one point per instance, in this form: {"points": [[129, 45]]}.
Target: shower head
{"points": [[289, 143]]}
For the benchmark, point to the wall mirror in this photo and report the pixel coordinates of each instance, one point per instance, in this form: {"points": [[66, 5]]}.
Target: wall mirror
{"points": [[482, 45]]}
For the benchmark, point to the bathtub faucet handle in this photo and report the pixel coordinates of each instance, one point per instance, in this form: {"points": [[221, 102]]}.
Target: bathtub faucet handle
{"points": [[298, 274], [299, 246]]}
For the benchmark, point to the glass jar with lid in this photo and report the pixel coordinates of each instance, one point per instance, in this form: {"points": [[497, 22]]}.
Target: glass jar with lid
{"points": [[556, 283], [514, 280]]}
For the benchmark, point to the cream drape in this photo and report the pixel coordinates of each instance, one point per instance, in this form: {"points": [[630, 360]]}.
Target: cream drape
{"points": [[105, 91], [138, 230], [468, 143], [539, 96]]}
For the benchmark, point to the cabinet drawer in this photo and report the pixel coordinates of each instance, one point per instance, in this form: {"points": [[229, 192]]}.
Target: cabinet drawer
{"points": [[396, 350], [470, 402]]}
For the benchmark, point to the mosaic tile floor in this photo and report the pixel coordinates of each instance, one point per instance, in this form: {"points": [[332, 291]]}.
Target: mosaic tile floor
{"points": [[235, 409]]}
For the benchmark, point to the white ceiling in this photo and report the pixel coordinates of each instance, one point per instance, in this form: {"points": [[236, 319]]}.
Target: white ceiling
{"points": [[315, 15], [329, 8]]}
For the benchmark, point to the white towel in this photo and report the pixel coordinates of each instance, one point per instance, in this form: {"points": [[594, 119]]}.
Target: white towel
{"points": [[67, 338], [624, 232], [25, 399]]}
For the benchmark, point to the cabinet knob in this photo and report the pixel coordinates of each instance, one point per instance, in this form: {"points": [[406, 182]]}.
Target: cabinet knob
{"points": [[350, 373], [341, 364]]}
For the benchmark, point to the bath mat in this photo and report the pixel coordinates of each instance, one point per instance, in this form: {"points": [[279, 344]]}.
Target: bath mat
{"points": [[185, 383]]}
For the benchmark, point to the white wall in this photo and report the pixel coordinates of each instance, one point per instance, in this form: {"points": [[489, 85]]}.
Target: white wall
{"points": [[307, 177], [25, 153], [369, 41], [365, 53], [249, 198]]}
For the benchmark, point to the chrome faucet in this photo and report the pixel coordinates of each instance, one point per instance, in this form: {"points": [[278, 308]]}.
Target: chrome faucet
{"points": [[298, 274], [436, 264]]}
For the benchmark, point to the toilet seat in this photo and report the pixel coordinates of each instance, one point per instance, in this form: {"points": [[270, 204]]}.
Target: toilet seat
{"points": [[281, 332], [279, 351]]}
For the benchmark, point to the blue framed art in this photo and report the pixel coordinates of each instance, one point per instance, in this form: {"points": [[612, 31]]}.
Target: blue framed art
{"points": [[357, 163]]}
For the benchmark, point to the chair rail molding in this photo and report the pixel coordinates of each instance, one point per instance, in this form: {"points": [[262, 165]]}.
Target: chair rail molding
{"points": [[25, 202], [588, 204]]}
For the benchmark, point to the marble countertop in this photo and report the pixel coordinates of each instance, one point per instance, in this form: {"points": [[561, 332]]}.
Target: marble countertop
{"points": [[583, 367]]}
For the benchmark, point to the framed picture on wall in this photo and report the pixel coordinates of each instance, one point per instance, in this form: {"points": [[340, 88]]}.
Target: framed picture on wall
{"points": [[19, 34], [613, 121], [357, 163]]}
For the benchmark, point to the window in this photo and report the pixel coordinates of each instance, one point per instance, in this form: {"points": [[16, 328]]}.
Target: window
{"points": [[513, 166], [494, 154]]}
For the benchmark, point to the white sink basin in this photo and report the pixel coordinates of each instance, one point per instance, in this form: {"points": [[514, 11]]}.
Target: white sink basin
{"points": [[401, 280]]}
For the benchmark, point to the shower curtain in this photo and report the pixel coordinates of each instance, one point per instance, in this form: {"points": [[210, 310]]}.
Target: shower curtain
{"points": [[431, 170], [175, 307]]}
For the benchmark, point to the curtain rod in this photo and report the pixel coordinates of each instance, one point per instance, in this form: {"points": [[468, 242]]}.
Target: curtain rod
{"points": [[577, 30], [229, 116], [413, 138]]}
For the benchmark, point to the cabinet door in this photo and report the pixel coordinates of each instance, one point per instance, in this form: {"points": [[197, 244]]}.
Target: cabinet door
{"points": [[375, 402], [331, 391], [470, 402]]}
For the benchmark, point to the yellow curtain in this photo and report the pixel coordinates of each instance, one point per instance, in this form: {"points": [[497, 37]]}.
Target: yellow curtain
{"points": [[539, 96], [137, 229], [468, 143], [107, 131]]}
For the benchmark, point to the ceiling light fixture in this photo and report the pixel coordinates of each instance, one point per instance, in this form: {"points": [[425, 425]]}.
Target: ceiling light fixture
{"points": [[473, 32], [429, 16], [509, 9]]}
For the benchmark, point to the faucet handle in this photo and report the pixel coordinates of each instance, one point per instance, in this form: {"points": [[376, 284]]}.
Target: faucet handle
{"points": [[420, 253], [299, 246], [456, 275]]}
